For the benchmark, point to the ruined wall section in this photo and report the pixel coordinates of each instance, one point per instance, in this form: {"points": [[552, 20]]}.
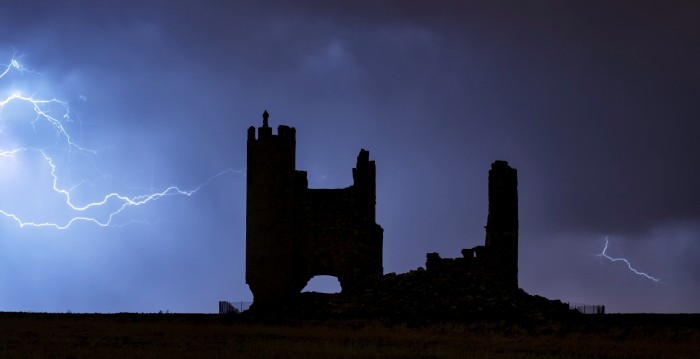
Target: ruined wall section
{"points": [[502, 223], [481, 266], [340, 231]]}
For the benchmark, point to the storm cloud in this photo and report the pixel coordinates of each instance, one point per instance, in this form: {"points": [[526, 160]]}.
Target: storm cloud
{"points": [[594, 103]]}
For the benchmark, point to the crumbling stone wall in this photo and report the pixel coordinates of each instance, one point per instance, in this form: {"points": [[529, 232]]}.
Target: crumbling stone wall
{"points": [[294, 233], [482, 284]]}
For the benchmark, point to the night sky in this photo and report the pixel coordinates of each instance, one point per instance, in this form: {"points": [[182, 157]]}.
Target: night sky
{"points": [[595, 103]]}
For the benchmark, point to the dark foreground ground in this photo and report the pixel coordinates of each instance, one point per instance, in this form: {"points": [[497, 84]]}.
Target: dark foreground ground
{"points": [[29, 335]]}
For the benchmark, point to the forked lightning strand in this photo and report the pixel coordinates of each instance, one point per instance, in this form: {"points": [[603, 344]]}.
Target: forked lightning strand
{"points": [[120, 202], [604, 255]]}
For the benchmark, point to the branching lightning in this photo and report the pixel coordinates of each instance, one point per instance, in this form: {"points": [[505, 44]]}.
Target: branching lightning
{"points": [[629, 266], [14, 64], [115, 201]]}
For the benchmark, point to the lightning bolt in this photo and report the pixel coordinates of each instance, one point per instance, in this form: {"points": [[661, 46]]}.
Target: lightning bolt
{"points": [[116, 201], [604, 255]]}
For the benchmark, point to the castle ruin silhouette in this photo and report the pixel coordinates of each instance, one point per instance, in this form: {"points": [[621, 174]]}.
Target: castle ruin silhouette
{"points": [[294, 233]]}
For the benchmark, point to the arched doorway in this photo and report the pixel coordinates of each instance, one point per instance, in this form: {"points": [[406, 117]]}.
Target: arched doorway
{"points": [[323, 284]]}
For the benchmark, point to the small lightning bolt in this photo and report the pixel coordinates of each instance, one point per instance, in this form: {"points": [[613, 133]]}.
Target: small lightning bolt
{"points": [[14, 64], [117, 202], [604, 255]]}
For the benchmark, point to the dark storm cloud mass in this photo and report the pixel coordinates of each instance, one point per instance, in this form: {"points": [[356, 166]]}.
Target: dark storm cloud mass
{"points": [[595, 104]]}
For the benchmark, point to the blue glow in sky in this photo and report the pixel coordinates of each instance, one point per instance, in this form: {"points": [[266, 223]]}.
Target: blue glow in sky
{"points": [[594, 104], [36, 161]]}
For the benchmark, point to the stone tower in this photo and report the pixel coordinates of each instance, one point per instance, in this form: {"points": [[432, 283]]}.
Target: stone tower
{"points": [[270, 197], [502, 223], [294, 233]]}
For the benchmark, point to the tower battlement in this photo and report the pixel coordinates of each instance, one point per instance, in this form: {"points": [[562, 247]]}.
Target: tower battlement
{"points": [[284, 133]]}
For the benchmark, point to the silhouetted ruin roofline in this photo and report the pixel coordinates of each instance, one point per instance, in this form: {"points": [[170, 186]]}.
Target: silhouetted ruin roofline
{"points": [[294, 232]]}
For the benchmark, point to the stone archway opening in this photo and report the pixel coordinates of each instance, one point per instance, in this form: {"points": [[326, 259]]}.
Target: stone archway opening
{"points": [[323, 284]]}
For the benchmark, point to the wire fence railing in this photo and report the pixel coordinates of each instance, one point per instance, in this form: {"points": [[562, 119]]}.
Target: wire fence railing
{"points": [[226, 307], [587, 308]]}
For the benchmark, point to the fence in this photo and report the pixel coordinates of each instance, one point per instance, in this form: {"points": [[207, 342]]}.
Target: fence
{"points": [[588, 309], [226, 307]]}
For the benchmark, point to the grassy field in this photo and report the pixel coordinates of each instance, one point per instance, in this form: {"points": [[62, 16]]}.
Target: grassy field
{"points": [[28, 335]]}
